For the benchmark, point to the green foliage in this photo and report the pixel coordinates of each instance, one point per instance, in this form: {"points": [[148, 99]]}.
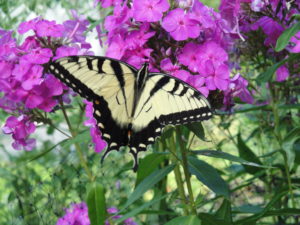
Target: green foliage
{"points": [[96, 204]]}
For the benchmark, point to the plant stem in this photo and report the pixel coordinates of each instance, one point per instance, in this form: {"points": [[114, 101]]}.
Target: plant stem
{"points": [[77, 147], [279, 139], [178, 178], [186, 172]]}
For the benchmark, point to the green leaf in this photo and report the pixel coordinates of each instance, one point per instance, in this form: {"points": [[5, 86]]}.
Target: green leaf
{"points": [[148, 165], [148, 183], [197, 129], [251, 219], [47, 150], [208, 219], [224, 212], [286, 36], [249, 108], [267, 75], [246, 153], [184, 220], [283, 212], [139, 209], [288, 145], [96, 204], [208, 176], [224, 155]]}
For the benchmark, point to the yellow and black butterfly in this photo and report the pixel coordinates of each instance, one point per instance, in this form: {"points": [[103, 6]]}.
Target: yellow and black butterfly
{"points": [[131, 106]]}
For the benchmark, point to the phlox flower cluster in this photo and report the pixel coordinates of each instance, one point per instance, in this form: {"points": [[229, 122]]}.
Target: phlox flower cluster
{"points": [[25, 87], [185, 39], [78, 214], [270, 18]]}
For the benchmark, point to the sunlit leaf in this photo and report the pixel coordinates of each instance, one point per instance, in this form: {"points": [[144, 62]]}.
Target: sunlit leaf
{"points": [[184, 220], [208, 176], [96, 204], [286, 36], [148, 183]]}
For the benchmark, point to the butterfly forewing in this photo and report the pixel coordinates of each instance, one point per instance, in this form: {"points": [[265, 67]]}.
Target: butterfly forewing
{"points": [[109, 84]]}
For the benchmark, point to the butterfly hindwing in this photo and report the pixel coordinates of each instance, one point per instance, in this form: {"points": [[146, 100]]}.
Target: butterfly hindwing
{"points": [[109, 84], [165, 100]]}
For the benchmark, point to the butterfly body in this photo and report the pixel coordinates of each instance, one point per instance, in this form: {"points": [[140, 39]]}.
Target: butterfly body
{"points": [[131, 106]]}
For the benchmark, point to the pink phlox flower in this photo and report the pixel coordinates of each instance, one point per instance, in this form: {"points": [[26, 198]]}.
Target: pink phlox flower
{"points": [[282, 73], [20, 128], [38, 56], [217, 75], [138, 56], [190, 56], [75, 28], [138, 38], [182, 75], [100, 144], [75, 215], [210, 50], [116, 47], [28, 25], [198, 82], [8, 50], [89, 109], [6, 69], [32, 77], [271, 28], [149, 10], [238, 88], [167, 66], [295, 43], [203, 14], [121, 15], [29, 44], [181, 25], [45, 28], [66, 51]]}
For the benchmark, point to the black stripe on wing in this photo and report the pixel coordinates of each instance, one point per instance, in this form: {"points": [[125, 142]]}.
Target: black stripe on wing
{"points": [[146, 136], [112, 133]]}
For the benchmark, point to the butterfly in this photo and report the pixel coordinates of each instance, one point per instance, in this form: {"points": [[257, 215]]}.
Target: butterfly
{"points": [[131, 106]]}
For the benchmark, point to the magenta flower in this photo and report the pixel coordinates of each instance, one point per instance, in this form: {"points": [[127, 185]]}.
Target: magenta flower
{"points": [[190, 56], [45, 28], [282, 73], [181, 25], [94, 131], [271, 28], [121, 14], [217, 75], [20, 128], [295, 40], [237, 88], [75, 215], [116, 47], [198, 82], [138, 38], [75, 29], [28, 25], [38, 56], [149, 10], [210, 50]]}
